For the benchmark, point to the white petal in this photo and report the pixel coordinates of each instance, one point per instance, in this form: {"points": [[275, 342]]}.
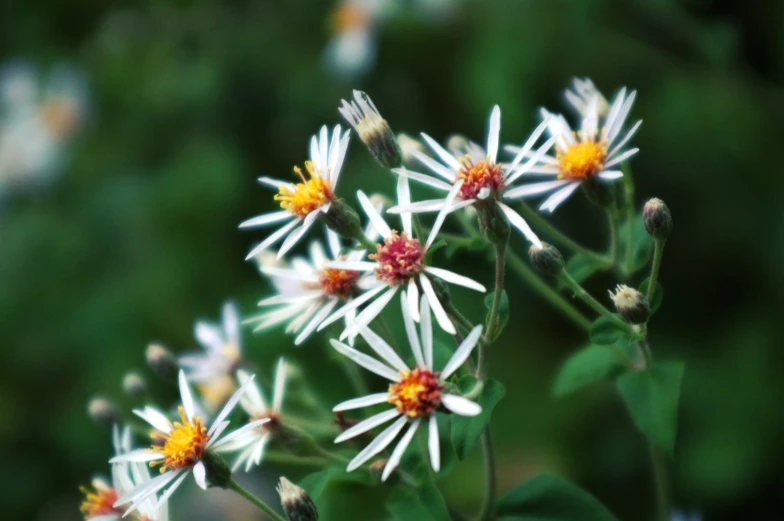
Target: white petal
{"points": [[612, 132], [369, 363], [434, 445], [149, 487], [253, 401], [526, 148], [536, 158], [411, 332], [618, 159], [154, 418], [426, 331], [462, 353], [365, 425], [422, 178], [245, 429], [317, 319], [272, 239], [459, 405], [610, 174], [334, 243], [612, 114], [378, 444], [335, 172], [352, 265], [365, 401], [443, 213], [170, 490], [352, 304], [209, 336], [138, 455], [558, 197], [291, 298], [448, 159], [431, 205], [230, 405], [454, 278], [273, 183], [413, 299], [400, 449], [264, 219], [200, 475], [370, 312], [297, 234], [434, 165], [288, 273], [378, 222], [382, 349], [493, 134], [187, 397], [404, 198], [534, 189], [231, 323], [625, 140], [280, 385], [519, 223], [441, 317]]}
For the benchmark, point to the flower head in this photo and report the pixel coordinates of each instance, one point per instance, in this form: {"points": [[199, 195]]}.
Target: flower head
{"points": [[417, 395], [373, 130], [304, 201]]}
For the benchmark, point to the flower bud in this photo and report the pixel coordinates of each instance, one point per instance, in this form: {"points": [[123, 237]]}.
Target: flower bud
{"points": [[103, 412], [546, 259], [599, 193], [296, 502], [134, 385], [373, 130], [493, 224], [217, 470], [657, 218], [342, 219], [161, 361], [631, 304]]}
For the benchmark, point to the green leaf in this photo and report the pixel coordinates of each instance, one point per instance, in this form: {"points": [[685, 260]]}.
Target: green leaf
{"points": [[503, 315], [587, 366], [466, 431], [315, 484], [423, 504], [642, 243], [604, 331], [550, 498], [658, 294], [580, 267], [652, 399]]}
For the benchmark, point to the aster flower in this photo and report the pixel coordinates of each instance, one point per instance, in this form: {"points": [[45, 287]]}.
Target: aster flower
{"points": [[372, 129], [475, 174], [308, 290], [589, 154], [585, 98], [352, 49], [212, 369], [181, 446], [304, 202], [399, 261], [254, 441], [416, 394]]}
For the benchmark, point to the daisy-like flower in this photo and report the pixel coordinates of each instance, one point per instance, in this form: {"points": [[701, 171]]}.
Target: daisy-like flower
{"points": [[594, 152], [475, 175], [309, 290], [98, 503], [212, 369], [416, 394], [354, 23], [399, 261], [253, 443], [302, 203], [180, 446]]}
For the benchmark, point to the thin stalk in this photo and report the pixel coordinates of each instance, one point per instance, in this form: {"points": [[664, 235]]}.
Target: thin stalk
{"points": [[594, 304], [554, 234], [612, 222], [628, 201], [657, 258], [486, 512], [239, 489], [366, 243], [553, 297], [661, 483], [491, 328]]}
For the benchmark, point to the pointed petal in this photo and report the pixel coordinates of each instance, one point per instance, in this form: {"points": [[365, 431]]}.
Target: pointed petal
{"points": [[426, 331], [493, 134], [378, 444], [364, 401], [365, 425], [272, 239], [433, 444], [265, 219], [230, 405], [443, 213], [441, 317], [404, 198], [186, 396], [369, 363], [462, 353], [454, 278], [400, 449], [378, 222], [558, 197], [200, 475], [280, 385], [411, 332], [448, 159], [382, 349], [519, 223], [459, 405]]}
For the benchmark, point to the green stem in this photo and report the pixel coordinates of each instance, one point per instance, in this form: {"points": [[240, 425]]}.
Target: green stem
{"points": [[290, 459], [532, 279], [540, 223], [594, 304], [486, 512], [491, 328], [628, 200], [239, 489], [612, 221], [366, 243], [661, 483], [657, 258]]}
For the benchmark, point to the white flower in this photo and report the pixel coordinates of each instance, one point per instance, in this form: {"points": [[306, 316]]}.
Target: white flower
{"points": [[417, 394], [309, 290], [254, 441], [98, 504], [399, 261], [585, 155], [472, 174], [302, 203], [212, 369], [352, 49], [586, 97], [183, 445]]}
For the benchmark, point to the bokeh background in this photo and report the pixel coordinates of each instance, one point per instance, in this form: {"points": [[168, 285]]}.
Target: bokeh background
{"points": [[190, 101]]}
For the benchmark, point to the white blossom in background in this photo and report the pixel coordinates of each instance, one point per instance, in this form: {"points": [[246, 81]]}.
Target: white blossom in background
{"points": [[253, 443], [594, 152], [308, 290], [472, 175], [181, 447], [416, 394], [302, 203], [399, 261]]}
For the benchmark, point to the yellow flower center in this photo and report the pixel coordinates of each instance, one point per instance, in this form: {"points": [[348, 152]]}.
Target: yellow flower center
{"points": [[307, 196], [349, 16], [477, 176], [183, 446], [582, 160], [99, 501], [417, 394]]}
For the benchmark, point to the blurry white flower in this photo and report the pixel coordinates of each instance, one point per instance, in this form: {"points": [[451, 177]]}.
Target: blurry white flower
{"points": [[303, 202], [585, 97], [182, 446], [352, 49], [416, 394], [588, 154]]}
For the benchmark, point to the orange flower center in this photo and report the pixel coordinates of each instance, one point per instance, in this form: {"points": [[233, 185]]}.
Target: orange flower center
{"points": [[99, 501], [399, 259], [307, 196], [349, 16], [417, 394], [582, 160], [60, 116], [477, 176], [338, 283], [183, 446]]}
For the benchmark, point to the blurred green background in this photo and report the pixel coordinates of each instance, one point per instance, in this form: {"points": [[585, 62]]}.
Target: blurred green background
{"points": [[190, 101]]}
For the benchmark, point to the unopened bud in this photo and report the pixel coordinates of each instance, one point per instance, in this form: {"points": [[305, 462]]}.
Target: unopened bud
{"points": [[296, 502], [134, 385], [217, 470], [103, 412], [598, 192], [657, 218], [161, 361], [493, 223], [631, 304], [342, 219], [377, 473], [546, 259], [407, 146], [373, 130]]}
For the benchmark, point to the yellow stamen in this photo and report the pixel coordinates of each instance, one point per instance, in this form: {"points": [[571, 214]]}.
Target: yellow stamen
{"points": [[307, 196], [417, 394], [582, 160], [183, 446], [99, 502]]}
